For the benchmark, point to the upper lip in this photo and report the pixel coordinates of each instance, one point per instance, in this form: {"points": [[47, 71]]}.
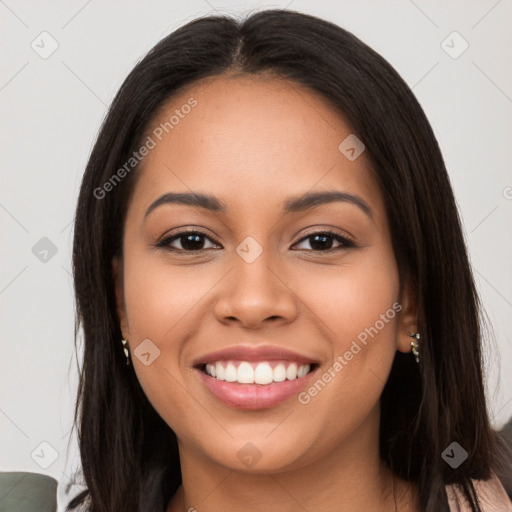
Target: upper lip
{"points": [[252, 353]]}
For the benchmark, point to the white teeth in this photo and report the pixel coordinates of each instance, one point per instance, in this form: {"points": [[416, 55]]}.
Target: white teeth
{"points": [[219, 371], [208, 368], [245, 373], [231, 373], [303, 370], [291, 372], [261, 373], [279, 373]]}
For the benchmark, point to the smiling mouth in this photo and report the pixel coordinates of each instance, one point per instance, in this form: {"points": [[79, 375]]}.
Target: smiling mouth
{"points": [[256, 372]]}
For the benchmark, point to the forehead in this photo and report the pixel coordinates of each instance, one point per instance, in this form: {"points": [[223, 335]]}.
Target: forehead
{"points": [[250, 140]]}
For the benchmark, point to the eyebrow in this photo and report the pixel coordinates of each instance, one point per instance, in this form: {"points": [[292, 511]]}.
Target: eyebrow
{"points": [[292, 205]]}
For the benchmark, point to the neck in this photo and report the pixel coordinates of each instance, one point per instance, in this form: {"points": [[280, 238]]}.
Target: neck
{"points": [[351, 477]]}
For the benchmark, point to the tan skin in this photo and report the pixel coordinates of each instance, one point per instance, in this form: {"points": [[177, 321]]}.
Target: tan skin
{"points": [[254, 142]]}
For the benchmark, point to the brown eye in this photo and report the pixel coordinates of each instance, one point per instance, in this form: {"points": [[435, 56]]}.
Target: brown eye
{"points": [[322, 241], [190, 241]]}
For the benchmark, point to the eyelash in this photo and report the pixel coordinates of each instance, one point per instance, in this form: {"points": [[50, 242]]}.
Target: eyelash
{"points": [[347, 242]]}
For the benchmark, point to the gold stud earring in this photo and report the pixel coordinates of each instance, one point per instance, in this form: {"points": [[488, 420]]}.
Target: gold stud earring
{"points": [[415, 345], [126, 352]]}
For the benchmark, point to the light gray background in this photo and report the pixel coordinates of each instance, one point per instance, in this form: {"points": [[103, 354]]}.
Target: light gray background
{"points": [[52, 108]]}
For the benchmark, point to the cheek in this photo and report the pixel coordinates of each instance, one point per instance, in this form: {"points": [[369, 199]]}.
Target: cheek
{"points": [[357, 305], [161, 303], [162, 298], [351, 297]]}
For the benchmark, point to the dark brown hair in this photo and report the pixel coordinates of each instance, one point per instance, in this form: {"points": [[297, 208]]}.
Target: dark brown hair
{"points": [[129, 454]]}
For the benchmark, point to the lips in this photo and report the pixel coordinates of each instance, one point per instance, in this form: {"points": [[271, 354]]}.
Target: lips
{"points": [[255, 377]]}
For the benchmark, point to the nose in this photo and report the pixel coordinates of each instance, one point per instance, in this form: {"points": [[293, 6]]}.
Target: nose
{"points": [[256, 295]]}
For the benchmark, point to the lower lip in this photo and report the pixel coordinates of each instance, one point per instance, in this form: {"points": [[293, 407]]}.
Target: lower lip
{"points": [[254, 396]]}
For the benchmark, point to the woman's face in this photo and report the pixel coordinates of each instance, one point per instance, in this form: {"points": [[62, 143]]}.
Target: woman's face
{"points": [[262, 281]]}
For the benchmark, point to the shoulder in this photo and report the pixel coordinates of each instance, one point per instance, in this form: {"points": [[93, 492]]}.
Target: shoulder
{"points": [[491, 494]]}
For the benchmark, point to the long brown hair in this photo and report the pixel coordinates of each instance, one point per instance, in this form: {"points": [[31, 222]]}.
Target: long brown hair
{"points": [[129, 454]]}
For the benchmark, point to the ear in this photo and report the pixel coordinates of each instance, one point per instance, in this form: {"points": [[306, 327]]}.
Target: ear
{"points": [[408, 320], [117, 274]]}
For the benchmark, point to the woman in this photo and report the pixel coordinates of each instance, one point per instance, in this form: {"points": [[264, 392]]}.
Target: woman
{"points": [[276, 299]]}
